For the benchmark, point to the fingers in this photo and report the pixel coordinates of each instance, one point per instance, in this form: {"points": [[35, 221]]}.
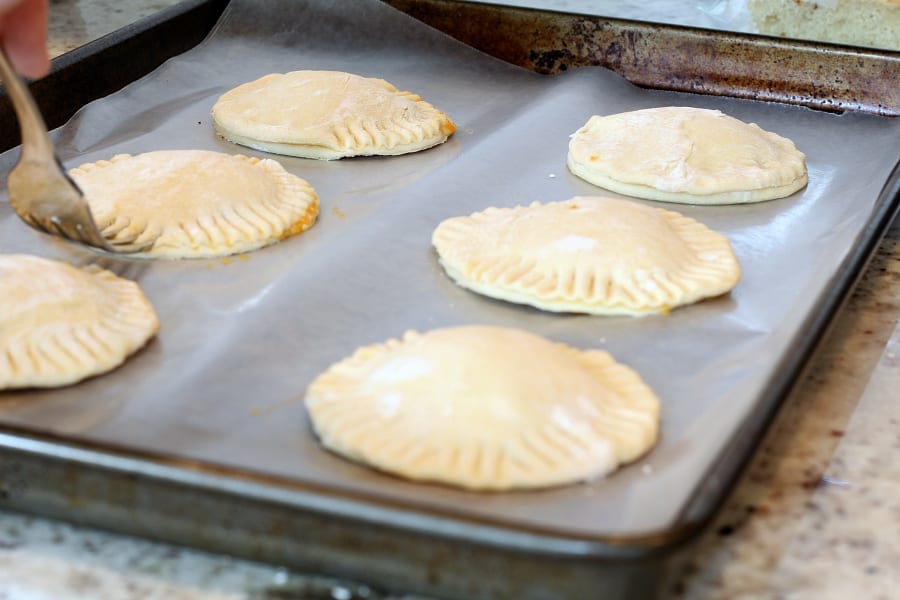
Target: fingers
{"points": [[24, 36]]}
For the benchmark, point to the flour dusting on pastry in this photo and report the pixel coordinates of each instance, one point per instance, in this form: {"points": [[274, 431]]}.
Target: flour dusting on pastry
{"points": [[686, 155], [591, 254], [328, 115], [484, 408], [60, 324], [196, 203]]}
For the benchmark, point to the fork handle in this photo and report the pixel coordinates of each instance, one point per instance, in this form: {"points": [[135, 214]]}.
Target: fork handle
{"points": [[35, 140]]}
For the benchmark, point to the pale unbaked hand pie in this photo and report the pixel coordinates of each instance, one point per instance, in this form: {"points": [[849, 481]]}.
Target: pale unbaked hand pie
{"points": [[484, 408], [686, 155], [60, 324], [196, 203], [328, 115], [592, 254]]}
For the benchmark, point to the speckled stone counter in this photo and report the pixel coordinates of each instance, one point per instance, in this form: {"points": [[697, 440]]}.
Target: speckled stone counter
{"points": [[815, 515]]}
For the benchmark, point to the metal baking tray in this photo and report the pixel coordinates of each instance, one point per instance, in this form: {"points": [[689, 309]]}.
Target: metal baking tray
{"points": [[201, 438]]}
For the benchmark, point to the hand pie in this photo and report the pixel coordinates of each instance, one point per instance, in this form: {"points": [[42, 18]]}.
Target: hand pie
{"points": [[589, 254], [484, 408], [328, 115], [60, 324], [687, 155], [196, 203]]}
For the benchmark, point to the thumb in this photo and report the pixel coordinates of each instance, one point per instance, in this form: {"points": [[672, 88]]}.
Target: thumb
{"points": [[23, 28]]}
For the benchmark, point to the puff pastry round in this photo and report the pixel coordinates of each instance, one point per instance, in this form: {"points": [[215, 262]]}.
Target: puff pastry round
{"points": [[590, 254], [60, 324], [686, 155], [196, 203], [484, 408], [328, 115]]}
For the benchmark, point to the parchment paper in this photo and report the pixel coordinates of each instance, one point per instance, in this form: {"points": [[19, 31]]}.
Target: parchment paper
{"points": [[242, 338]]}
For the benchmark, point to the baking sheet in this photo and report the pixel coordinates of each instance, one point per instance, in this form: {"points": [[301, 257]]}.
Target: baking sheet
{"points": [[242, 337]]}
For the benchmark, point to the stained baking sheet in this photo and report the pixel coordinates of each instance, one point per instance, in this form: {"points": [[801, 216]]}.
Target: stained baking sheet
{"points": [[242, 337]]}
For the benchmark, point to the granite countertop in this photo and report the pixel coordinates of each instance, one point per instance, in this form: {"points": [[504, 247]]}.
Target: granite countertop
{"points": [[815, 515]]}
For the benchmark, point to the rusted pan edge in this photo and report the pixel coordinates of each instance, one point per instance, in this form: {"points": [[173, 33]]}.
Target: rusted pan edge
{"points": [[817, 75]]}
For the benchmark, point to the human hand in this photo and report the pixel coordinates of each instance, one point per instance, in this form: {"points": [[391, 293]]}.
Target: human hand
{"points": [[23, 35]]}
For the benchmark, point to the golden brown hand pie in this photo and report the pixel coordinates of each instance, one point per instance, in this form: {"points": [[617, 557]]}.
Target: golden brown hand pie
{"points": [[593, 254], [328, 115], [484, 408], [687, 155], [196, 203], [60, 324]]}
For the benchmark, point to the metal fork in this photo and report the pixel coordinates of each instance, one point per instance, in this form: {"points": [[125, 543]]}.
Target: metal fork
{"points": [[40, 190]]}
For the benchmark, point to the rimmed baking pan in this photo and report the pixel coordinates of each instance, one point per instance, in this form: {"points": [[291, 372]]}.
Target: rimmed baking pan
{"points": [[202, 438]]}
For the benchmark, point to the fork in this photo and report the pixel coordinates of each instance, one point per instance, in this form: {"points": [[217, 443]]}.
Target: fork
{"points": [[40, 190]]}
